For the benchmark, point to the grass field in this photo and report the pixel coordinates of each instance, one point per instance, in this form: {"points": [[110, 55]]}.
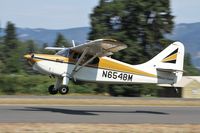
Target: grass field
{"points": [[99, 101], [96, 128]]}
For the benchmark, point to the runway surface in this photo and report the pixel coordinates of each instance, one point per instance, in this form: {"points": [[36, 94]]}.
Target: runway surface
{"points": [[99, 114]]}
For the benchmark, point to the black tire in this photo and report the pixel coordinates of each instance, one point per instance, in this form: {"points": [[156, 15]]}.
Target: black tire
{"points": [[63, 89], [52, 90]]}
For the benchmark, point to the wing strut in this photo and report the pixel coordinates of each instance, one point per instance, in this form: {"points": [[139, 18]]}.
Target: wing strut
{"points": [[87, 62], [76, 68], [80, 59]]}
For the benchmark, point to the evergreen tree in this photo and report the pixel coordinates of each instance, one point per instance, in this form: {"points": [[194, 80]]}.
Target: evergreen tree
{"points": [[31, 46], [189, 69], [140, 24], [44, 45], [10, 38], [44, 51], [61, 41], [11, 50]]}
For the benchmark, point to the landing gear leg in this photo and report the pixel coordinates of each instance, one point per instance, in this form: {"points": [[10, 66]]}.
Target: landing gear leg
{"points": [[53, 89], [60, 86], [63, 89]]}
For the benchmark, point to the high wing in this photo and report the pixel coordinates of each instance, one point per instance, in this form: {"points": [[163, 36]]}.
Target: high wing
{"points": [[95, 48], [104, 47]]}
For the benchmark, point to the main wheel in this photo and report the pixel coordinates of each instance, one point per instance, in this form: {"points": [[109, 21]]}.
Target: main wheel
{"points": [[63, 89], [52, 90]]}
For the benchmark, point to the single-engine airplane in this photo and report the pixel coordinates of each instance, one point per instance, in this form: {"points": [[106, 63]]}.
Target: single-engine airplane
{"points": [[91, 62]]}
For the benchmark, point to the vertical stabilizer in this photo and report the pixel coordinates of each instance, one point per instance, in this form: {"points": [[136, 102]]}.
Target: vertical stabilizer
{"points": [[169, 62]]}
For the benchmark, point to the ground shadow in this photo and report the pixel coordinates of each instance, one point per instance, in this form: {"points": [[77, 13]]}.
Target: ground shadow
{"points": [[87, 112]]}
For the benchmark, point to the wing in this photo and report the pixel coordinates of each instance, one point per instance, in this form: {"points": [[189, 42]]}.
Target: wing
{"points": [[104, 47]]}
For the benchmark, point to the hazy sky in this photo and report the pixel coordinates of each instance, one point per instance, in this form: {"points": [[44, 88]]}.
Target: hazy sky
{"points": [[62, 14], [186, 11]]}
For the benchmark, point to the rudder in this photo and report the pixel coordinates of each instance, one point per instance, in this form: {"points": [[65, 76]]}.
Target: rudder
{"points": [[169, 62]]}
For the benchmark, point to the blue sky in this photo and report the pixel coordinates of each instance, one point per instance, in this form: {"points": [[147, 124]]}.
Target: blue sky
{"points": [[63, 14], [186, 11]]}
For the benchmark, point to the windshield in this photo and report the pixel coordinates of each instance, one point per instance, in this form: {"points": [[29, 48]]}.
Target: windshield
{"points": [[64, 52]]}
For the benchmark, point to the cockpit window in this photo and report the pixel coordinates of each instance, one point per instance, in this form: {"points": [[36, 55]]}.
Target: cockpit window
{"points": [[75, 55], [64, 52]]}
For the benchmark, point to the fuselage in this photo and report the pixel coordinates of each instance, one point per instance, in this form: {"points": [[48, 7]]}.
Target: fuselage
{"points": [[102, 69]]}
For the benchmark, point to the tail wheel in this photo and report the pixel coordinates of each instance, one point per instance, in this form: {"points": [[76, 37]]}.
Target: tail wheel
{"points": [[52, 90], [63, 89]]}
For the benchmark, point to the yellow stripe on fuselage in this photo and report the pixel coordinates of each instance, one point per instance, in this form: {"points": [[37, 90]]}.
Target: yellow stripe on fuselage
{"points": [[103, 64], [117, 66], [51, 57]]}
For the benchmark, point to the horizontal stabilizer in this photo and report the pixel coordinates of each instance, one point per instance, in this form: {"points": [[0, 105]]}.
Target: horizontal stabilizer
{"points": [[54, 48], [169, 70]]}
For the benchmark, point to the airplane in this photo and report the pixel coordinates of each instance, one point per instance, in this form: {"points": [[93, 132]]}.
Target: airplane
{"points": [[91, 62]]}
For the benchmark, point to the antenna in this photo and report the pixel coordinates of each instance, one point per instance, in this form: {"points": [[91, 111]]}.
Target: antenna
{"points": [[73, 43], [0, 28]]}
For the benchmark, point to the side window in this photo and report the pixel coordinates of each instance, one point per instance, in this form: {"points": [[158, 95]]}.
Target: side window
{"points": [[75, 55], [64, 53], [95, 61], [71, 54]]}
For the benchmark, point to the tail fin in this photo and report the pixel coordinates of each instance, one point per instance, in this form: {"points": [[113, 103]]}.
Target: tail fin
{"points": [[169, 62]]}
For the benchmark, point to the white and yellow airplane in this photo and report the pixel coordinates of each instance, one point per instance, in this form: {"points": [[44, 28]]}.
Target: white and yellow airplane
{"points": [[90, 62]]}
